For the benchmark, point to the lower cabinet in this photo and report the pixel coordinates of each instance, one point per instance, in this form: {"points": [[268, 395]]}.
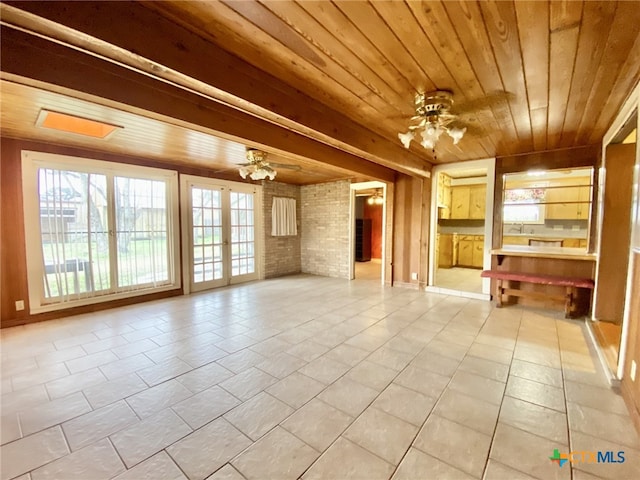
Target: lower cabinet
{"points": [[478, 251], [471, 251], [445, 250]]}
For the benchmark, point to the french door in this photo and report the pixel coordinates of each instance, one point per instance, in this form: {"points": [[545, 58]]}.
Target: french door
{"points": [[221, 230]]}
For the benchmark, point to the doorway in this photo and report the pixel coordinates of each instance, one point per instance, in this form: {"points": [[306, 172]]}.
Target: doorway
{"points": [[461, 228], [220, 233], [615, 219], [368, 215]]}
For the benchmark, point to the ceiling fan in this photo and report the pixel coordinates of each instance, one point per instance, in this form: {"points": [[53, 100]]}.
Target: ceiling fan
{"points": [[434, 117], [257, 167], [435, 114]]}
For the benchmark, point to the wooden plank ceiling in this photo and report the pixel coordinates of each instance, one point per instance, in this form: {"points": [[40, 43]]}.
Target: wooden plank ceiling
{"points": [[526, 75], [164, 140]]}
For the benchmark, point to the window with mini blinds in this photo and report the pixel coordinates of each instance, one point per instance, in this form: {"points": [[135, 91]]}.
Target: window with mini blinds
{"points": [[96, 230]]}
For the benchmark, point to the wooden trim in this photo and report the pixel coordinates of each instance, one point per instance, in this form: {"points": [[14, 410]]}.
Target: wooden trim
{"points": [[169, 48], [13, 279], [627, 395], [587, 156], [35, 58], [96, 307]]}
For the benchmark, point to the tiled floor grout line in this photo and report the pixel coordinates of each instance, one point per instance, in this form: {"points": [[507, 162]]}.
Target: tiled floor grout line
{"points": [[531, 342], [117, 453], [566, 401], [371, 403]]}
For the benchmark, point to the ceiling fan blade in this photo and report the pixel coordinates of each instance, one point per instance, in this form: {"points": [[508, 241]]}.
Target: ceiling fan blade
{"points": [[482, 103], [473, 130], [287, 166]]}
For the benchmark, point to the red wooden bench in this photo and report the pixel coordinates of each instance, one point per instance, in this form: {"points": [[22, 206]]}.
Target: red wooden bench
{"points": [[571, 284]]}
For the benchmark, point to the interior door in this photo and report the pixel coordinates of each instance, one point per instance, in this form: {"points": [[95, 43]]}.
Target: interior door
{"points": [[221, 234]]}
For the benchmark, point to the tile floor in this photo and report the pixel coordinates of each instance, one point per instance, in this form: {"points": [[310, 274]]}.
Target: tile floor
{"points": [[459, 278], [308, 377]]}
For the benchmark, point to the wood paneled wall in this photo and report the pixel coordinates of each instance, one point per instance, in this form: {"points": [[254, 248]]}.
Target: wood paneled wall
{"points": [[616, 232], [631, 388], [13, 278], [411, 231]]}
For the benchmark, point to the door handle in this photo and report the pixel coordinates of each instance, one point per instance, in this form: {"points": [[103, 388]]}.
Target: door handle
{"points": [[226, 242]]}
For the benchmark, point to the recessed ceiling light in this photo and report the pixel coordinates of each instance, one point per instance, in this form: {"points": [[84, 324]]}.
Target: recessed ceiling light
{"points": [[73, 124]]}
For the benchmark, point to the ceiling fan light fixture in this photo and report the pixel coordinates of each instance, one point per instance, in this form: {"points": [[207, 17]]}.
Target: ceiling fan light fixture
{"points": [[244, 171], [434, 111], [428, 143], [376, 198], [456, 134], [406, 138], [257, 168]]}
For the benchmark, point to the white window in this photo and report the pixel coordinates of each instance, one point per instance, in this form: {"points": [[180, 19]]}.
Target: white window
{"points": [[97, 230], [524, 213], [524, 205]]}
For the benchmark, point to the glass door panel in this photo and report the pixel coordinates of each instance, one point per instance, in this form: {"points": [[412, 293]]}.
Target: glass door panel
{"points": [[207, 239], [74, 229], [221, 243], [141, 232], [243, 262]]}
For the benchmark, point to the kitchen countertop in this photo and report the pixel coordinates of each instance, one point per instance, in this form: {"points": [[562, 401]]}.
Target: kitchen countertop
{"points": [[544, 252], [554, 234]]}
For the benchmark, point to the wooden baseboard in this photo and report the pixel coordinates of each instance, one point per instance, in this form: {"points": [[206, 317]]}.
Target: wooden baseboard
{"points": [[631, 405], [608, 336], [94, 307]]}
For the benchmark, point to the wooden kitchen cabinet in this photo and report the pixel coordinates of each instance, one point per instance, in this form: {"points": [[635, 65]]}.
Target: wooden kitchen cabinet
{"points": [[477, 201], [514, 240], [468, 202], [460, 197], [477, 257], [571, 242], [568, 203], [471, 251], [444, 196], [465, 251], [445, 250]]}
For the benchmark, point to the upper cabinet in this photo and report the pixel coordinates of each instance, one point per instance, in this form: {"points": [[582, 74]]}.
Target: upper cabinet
{"points": [[568, 202], [477, 201], [468, 202], [444, 196]]}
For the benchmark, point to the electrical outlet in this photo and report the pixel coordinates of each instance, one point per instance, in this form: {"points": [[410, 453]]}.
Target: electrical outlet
{"points": [[633, 370], [19, 305], [414, 276]]}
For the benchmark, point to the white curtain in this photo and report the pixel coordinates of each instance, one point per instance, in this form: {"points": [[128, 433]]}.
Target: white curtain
{"points": [[283, 217]]}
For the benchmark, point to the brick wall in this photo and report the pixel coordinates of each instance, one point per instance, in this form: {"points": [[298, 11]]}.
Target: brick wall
{"points": [[325, 229], [281, 254]]}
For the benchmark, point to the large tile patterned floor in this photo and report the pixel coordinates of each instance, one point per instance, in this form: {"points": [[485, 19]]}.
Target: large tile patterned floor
{"points": [[308, 377]]}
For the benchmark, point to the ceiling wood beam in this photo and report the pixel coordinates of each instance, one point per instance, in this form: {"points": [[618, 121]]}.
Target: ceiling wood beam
{"points": [[141, 38], [28, 56]]}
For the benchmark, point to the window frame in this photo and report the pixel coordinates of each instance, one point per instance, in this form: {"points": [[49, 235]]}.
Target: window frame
{"points": [[32, 161], [547, 183]]}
